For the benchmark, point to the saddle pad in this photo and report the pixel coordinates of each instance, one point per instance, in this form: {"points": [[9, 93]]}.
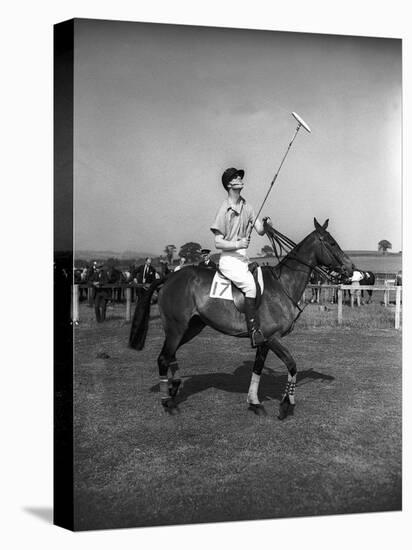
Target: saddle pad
{"points": [[222, 287]]}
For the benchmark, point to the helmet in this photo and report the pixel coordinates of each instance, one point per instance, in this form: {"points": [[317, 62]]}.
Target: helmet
{"points": [[229, 174]]}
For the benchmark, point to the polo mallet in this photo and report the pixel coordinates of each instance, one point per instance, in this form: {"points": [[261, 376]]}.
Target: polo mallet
{"points": [[301, 123]]}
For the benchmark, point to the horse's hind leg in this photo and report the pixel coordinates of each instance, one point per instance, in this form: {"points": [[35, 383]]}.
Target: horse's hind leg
{"points": [[287, 403], [167, 359], [196, 325]]}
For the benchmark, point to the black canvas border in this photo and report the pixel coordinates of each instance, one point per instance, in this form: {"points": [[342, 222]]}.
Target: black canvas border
{"points": [[63, 478]]}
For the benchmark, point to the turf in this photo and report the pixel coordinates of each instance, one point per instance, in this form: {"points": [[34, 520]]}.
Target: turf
{"points": [[214, 460]]}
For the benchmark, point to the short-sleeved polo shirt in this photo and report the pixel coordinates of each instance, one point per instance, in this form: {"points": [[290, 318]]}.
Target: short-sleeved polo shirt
{"points": [[233, 222]]}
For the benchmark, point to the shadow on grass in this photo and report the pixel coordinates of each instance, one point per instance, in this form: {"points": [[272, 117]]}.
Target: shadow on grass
{"points": [[271, 386]]}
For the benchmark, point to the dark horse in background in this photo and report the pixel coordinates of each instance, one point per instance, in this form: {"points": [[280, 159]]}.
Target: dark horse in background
{"points": [[186, 308], [368, 280]]}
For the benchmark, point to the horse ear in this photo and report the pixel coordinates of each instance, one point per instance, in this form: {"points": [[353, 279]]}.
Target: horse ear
{"points": [[325, 225], [317, 224]]}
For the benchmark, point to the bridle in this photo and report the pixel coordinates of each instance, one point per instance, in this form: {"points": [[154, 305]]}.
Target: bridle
{"points": [[331, 253], [281, 243]]}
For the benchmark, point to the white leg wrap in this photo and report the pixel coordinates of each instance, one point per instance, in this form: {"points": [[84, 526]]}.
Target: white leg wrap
{"points": [[252, 396], [291, 388], [164, 388]]}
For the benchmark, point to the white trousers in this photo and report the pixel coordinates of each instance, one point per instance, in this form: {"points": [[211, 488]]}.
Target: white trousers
{"points": [[236, 269]]}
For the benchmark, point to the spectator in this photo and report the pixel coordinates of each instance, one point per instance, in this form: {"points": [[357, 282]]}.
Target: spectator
{"points": [[164, 266], [144, 275], [399, 278], [101, 295], [206, 261], [355, 280], [92, 272], [91, 278]]}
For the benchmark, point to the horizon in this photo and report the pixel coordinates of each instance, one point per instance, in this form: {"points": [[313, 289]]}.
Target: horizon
{"points": [[141, 255]]}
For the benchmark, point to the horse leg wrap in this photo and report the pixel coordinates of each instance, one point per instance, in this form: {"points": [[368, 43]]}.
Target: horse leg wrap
{"points": [[164, 389], [252, 397], [290, 389], [174, 385]]}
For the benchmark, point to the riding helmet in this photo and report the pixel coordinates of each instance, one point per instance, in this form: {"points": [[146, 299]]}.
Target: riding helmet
{"points": [[229, 174]]}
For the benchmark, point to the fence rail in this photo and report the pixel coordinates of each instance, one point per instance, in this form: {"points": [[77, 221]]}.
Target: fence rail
{"points": [[386, 289], [128, 288]]}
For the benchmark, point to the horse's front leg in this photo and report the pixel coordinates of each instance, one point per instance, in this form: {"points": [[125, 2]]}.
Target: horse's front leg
{"points": [[287, 403], [252, 396]]}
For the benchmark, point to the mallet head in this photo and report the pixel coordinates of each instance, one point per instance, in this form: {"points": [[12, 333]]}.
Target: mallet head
{"points": [[302, 122]]}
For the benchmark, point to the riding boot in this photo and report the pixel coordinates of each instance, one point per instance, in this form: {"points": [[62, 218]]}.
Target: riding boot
{"points": [[252, 322]]}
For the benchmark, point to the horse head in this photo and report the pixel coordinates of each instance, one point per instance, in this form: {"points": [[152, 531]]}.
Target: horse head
{"points": [[328, 252]]}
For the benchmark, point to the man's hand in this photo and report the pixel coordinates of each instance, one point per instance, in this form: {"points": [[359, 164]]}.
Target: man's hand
{"points": [[243, 243]]}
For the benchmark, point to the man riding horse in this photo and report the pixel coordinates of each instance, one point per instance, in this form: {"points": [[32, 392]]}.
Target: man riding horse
{"points": [[187, 304], [232, 223]]}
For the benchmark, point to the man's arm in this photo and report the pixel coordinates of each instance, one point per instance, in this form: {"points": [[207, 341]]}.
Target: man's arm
{"points": [[259, 226], [223, 244]]}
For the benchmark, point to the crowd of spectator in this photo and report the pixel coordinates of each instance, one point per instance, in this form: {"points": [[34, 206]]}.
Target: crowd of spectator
{"points": [[99, 277], [98, 280]]}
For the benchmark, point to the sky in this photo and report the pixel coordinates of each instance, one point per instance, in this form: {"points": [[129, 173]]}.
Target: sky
{"points": [[162, 110]]}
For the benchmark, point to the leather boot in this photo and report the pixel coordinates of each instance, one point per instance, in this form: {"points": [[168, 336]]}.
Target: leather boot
{"points": [[252, 322]]}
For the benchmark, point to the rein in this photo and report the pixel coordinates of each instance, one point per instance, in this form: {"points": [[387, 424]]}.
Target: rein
{"points": [[281, 243]]}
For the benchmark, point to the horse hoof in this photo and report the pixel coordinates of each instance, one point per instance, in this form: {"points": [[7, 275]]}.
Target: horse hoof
{"points": [[257, 409], [169, 405], [285, 408], [174, 388]]}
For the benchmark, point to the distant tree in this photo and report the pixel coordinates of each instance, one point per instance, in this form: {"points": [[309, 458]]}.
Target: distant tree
{"points": [[383, 246], [190, 251], [169, 250], [267, 251]]}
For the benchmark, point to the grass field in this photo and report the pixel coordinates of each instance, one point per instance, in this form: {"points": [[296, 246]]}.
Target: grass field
{"points": [[214, 460]]}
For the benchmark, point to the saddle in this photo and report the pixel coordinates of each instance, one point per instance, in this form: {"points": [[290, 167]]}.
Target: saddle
{"points": [[236, 294]]}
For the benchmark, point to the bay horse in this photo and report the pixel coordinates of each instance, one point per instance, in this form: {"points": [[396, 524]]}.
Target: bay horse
{"points": [[186, 308]]}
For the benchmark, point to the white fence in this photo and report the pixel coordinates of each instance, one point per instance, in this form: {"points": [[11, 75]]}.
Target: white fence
{"points": [[387, 289]]}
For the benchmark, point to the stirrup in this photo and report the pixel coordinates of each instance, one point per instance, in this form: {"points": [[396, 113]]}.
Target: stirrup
{"points": [[257, 338]]}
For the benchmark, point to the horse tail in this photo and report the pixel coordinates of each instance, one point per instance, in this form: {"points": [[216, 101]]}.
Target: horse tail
{"points": [[140, 322]]}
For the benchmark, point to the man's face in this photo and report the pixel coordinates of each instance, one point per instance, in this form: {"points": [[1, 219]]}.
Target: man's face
{"points": [[236, 183], [205, 257], [148, 261]]}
